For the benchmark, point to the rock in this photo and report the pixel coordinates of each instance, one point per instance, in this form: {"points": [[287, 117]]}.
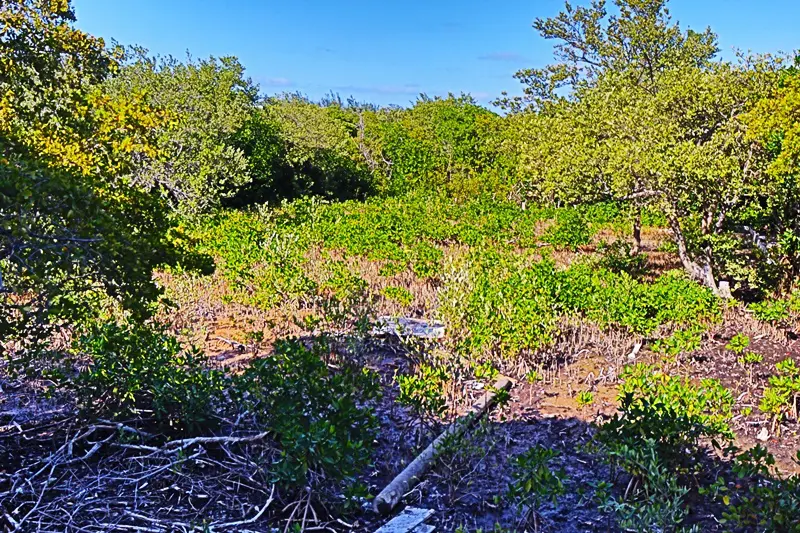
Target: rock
{"points": [[763, 435], [408, 327]]}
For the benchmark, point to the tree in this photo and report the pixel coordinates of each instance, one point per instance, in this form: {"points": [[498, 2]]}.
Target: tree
{"points": [[74, 231], [639, 43], [50, 101], [197, 164], [450, 144], [774, 216], [648, 119], [297, 147]]}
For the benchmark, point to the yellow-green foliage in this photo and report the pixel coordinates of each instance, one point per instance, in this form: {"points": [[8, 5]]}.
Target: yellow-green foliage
{"points": [[73, 227]]}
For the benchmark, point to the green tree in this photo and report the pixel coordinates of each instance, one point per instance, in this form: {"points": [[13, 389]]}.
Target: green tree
{"points": [[73, 230], [774, 217], [50, 101], [638, 112], [451, 143], [640, 43], [296, 147], [207, 101]]}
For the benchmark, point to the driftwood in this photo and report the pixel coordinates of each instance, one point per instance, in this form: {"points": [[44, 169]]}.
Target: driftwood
{"points": [[411, 475]]}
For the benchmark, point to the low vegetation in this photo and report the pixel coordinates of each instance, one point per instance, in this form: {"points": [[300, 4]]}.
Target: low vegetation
{"points": [[192, 277]]}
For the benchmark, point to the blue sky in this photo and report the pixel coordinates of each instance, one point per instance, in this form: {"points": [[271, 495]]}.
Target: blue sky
{"points": [[388, 51]]}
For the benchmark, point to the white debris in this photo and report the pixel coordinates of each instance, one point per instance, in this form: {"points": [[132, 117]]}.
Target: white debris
{"points": [[408, 327], [409, 521], [763, 435]]}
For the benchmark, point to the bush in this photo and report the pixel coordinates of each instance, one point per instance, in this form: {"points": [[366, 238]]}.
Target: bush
{"points": [[400, 295], [681, 341], [143, 372], [770, 502], [321, 420], [570, 231], [669, 411], [657, 500], [782, 395], [533, 481], [617, 257], [511, 304], [777, 310], [424, 392]]}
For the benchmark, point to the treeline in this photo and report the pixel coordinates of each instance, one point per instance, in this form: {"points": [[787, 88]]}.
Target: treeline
{"points": [[225, 145], [106, 153], [636, 111]]}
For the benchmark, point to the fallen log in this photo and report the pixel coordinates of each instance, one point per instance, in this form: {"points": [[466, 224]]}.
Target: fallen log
{"points": [[412, 474]]}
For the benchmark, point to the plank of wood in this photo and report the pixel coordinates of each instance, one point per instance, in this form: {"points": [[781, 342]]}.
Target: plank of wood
{"points": [[407, 521], [412, 474], [424, 528]]}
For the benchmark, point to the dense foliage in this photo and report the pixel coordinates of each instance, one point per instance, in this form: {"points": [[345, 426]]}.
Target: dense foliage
{"points": [[611, 200], [196, 163], [73, 228]]}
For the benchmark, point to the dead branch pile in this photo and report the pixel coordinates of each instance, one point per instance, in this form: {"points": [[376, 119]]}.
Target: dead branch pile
{"points": [[108, 477]]}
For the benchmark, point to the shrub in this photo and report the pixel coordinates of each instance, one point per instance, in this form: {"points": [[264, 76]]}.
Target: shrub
{"points": [[427, 260], [401, 295], [657, 500], [533, 481], [681, 341], [570, 231], [423, 392], [584, 398], [321, 420], [769, 502], [770, 310], [511, 304], [618, 257], [143, 372], [782, 395], [738, 343], [669, 411]]}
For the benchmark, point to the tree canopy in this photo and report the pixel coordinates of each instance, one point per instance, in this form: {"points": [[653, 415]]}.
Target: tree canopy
{"points": [[73, 227]]}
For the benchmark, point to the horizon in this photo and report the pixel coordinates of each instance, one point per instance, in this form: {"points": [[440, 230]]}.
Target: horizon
{"points": [[388, 54]]}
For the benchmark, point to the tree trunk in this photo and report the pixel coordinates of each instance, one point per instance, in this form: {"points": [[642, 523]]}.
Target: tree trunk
{"points": [[637, 232], [412, 474], [703, 273]]}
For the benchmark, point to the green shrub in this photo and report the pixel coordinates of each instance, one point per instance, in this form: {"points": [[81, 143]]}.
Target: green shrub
{"points": [[511, 304], [656, 500], [782, 395], [656, 439], [401, 295], [533, 482], [570, 230], [669, 411], [768, 501], [617, 257], [427, 260], [776, 309], [738, 343], [584, 398], [143, 372], [321, 420], [770, 310], [423, 392], [681, 341]]}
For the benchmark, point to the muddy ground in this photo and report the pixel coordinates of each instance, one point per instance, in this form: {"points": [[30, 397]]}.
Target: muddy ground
{"points": [[466, 486]]}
